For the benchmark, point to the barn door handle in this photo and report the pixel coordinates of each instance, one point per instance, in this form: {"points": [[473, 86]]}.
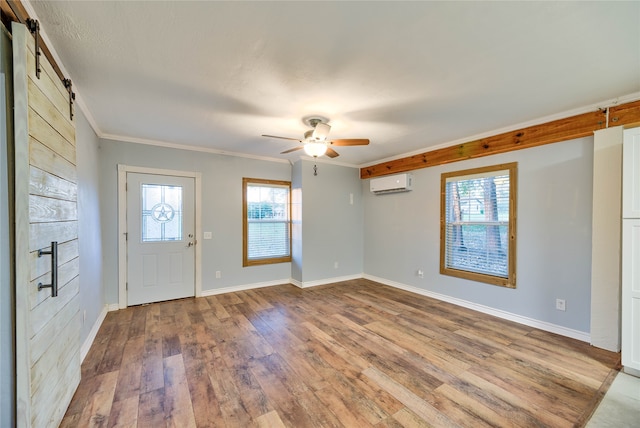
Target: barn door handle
{"points": [[54, 269]]}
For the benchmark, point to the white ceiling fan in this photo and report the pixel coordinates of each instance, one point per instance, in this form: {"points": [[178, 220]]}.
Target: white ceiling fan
{"points": [[316, 143]]}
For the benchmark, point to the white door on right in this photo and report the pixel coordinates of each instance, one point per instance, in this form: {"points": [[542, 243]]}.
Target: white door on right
{"points": [[160, 238], [631, 250], [631, 293]]}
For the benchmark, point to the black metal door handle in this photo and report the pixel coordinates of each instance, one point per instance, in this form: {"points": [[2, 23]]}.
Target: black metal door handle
{"points": [[54, 269]]}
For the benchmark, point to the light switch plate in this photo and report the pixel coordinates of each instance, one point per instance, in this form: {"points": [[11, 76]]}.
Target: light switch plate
{"points": [[207, 235]]}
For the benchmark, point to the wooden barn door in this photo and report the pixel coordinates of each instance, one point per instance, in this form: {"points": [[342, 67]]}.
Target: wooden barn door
{"points": [[47, 327]]}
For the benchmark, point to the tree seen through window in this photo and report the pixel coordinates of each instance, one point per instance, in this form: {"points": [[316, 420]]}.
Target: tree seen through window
{"points": [[478, 224]]}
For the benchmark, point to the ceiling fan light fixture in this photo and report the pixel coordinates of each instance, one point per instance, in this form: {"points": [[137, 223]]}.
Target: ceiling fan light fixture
{"points": [[315, 149], [321, 131], [315, 142]]}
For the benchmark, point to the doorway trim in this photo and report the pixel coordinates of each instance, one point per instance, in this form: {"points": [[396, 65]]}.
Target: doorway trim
{"points": [[122, 224]]}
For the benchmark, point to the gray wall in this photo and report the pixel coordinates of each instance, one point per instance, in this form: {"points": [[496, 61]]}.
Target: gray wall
{"points": [[388, 236], [553, 236], [7, 349], [92, 299], [296, 222], [331, 226], [221, 209]]}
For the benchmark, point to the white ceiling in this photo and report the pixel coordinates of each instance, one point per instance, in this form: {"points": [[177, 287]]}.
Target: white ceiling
{"points": [[406, 75]]}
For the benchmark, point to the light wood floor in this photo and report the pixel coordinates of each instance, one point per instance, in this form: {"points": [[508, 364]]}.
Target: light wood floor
{"points": [[353, 354]]}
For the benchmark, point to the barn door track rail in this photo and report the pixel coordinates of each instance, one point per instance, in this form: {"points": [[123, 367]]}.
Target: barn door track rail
{"points": [[13, 10]]}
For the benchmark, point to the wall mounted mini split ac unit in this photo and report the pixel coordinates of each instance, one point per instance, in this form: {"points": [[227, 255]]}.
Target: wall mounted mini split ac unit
{"points": [[391, 184]]}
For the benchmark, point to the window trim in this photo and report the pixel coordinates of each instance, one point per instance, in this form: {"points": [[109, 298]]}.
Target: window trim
{"points": [[246, 261], [510, 281]]}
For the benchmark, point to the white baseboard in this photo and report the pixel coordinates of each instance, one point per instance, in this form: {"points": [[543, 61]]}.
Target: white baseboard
{"points": [[244, 287], [542, 325], [307, 284], [84, 349], [631, 371], [113, 307], [297, 283]]}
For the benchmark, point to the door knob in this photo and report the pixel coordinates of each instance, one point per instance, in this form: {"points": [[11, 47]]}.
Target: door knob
{"points": [[190, 244]]}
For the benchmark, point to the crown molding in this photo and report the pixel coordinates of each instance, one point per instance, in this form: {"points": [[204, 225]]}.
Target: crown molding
{"points": [[178, 146]]}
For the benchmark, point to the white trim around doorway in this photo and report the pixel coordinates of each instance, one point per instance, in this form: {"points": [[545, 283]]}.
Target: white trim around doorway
{"points": [[122, 224]]}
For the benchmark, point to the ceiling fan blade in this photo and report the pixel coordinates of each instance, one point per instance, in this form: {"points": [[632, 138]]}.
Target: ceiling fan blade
{"points": [[291, 150], [282, 138], [350, 142], [331, 153]]}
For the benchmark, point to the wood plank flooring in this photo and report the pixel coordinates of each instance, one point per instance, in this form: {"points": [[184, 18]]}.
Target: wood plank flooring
{"points": [[351, 354]]}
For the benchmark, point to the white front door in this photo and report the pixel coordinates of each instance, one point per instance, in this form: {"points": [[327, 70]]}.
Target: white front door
{"points": [[160, 238]]}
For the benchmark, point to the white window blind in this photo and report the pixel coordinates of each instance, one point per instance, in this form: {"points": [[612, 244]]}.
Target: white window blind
{"points": [[477, 224]]}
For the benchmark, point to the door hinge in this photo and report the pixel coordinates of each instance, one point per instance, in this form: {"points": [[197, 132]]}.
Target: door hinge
{"points": [[126, 286], [126, 236]]}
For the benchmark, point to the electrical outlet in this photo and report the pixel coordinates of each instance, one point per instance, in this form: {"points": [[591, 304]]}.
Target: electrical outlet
{"points": [[218, 274], [335, 265], [561, 305], [420, 273]]}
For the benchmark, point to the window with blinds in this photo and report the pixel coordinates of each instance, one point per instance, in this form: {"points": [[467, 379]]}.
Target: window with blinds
{"points": [[478, 224], [266, 221]]}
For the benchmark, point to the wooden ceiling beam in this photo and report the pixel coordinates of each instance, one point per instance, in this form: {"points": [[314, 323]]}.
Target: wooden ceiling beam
{"points": [[625, 114], [569, 128]]}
